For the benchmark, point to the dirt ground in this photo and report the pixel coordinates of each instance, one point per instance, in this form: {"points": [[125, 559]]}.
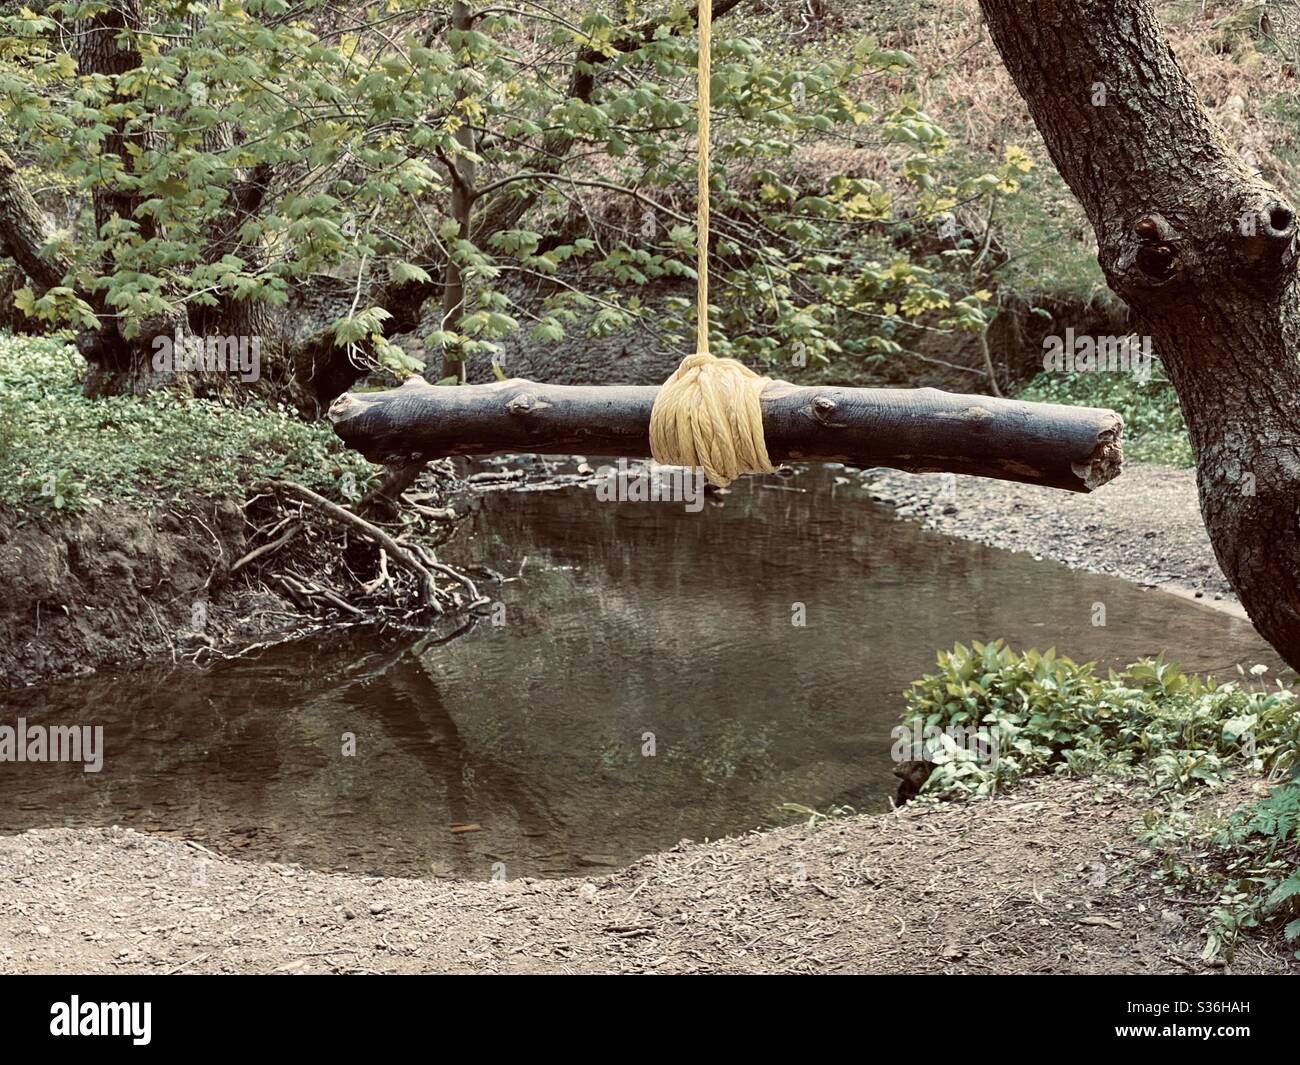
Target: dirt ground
{"points": [[119, 585], [1046, 880], [1144, 526]]}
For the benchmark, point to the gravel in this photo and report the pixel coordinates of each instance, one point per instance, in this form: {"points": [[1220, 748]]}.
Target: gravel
{"points": [[1145, 526]]}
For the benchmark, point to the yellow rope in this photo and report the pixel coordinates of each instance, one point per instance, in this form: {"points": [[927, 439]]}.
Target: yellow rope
{"points": [[708, 412], [704, 76]]}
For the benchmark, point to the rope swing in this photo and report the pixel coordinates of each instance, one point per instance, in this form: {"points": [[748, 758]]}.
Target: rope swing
{"points": [[708, 412]]}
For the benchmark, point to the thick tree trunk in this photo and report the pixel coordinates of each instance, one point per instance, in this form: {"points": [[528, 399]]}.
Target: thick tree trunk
{"points": [[117, 364], [1203, 251], [24, 230], [921, 430], [99, 52]]}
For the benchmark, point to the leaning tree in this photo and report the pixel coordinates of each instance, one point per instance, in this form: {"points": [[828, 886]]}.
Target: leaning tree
{"points": [[1202, 249]]}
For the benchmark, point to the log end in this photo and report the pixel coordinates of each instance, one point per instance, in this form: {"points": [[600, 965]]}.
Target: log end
{"points": [[1107, 458], [364, 422], [346, 407]]}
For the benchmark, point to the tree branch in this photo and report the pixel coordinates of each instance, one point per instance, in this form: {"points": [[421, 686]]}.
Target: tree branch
{"points": [[404, 299], [24, 229], [920, 430]]}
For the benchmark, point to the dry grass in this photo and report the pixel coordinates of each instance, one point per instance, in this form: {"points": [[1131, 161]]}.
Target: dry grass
{"points": [[1237, 68]]}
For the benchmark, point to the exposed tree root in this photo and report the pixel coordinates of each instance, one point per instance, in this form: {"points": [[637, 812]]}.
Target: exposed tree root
{"points": [[268, 548], [399, 554], [323, 539]]}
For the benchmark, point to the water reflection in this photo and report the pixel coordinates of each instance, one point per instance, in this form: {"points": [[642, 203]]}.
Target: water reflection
{"points": [[647, 684]]}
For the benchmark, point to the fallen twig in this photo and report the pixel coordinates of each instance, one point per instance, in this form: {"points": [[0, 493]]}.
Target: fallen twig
{"points": [[267, 549]]}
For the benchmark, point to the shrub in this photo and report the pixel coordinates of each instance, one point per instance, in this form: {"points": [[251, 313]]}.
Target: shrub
{"points": [[1250, 864], [1047, 713], [1154, 430], [60, 451]]}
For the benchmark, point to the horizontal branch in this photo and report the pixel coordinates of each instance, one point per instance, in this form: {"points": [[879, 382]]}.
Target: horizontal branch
{"points": [[920, 430]]}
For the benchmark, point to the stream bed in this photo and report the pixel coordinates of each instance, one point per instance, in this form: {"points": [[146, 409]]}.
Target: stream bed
{"points": [[641, 681]]}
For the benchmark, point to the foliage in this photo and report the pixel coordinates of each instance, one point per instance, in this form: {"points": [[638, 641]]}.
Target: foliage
{"points": [[1047, 713], [1154, 430], [815, 818], [1258, 860], [1248, 863], [1177, 732], [349, 127], [845, 142], [60, 451]]}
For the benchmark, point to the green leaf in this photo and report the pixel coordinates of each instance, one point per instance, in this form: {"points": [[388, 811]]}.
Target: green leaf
{"points": [[403, 273]]}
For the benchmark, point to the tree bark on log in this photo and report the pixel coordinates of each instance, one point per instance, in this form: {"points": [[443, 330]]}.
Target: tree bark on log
{"points": [[919, 430], [1204, 252]]}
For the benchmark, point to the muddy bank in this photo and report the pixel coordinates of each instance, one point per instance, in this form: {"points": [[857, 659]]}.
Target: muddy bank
{"points": [[1047, 880], [212, 579], [118, 585], [1145, 526]]}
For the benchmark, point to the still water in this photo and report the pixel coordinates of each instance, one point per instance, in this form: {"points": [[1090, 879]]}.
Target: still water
{"points": [[645, 684]]}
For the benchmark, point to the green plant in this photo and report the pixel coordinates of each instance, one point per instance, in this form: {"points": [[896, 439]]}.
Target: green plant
{"points": [[1251, 863], [1154, 430], [815, 818], [1176, 732], [1046, 713], [59, 491], [65, 453], [582, 155]]}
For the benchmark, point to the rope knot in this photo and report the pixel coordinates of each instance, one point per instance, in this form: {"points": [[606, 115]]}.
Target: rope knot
{"points": [[709, 414], [694, 362]]}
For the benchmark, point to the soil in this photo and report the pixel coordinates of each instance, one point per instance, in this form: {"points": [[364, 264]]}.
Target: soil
{"points": [[118, 585], [1144, 526], [1046, 880]]}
